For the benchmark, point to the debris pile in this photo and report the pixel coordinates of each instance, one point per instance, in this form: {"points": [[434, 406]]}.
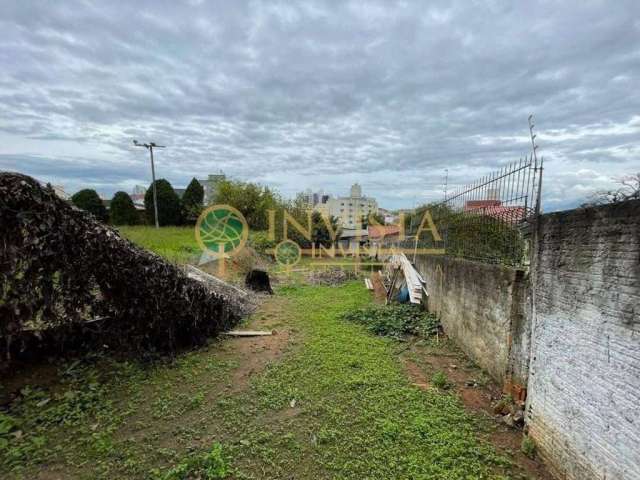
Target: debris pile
{"points": [[258, 281], [239, 300], [331, 276], [71, 282], [402, 281]]}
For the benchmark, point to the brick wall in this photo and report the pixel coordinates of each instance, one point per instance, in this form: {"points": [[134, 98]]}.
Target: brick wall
{"points": [[584, 383]]}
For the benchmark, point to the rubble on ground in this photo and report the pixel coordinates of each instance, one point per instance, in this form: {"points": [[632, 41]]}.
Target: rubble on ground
{"points": [[331, 276]]}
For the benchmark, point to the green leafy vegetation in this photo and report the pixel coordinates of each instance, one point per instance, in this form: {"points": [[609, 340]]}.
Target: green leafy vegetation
{"points": [[176, 244], [395, 320], [440, 380], [337, 404], [210, 465], [192, 201], [122, 211], [255, 202], [528, 447], [169, 204], [89, 200], [469, 234], [252, 200]]}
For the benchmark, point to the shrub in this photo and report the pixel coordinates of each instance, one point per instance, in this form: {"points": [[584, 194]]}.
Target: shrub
{"points": [[395, 320], [260, 242], [440, 380], [169, 206], [192, 201], [528, 447], [206, 466], [122, 211], [89, 201]]}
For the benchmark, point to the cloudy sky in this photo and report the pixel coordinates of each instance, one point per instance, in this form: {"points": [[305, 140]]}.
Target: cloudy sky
{"points": [[318, 95]]}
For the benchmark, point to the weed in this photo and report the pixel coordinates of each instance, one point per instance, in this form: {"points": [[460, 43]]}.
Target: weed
{"points": [[210, 465], [528, 447], [440, 380], [395, 320], [356, 414]]}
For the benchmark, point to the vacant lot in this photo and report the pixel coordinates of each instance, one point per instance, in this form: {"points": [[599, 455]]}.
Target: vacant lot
{"points": [[323, 398]]}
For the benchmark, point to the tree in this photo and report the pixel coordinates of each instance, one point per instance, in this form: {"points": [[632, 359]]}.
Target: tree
{"points": [[169, 205], [252, 200], [629, 190], [122, 211], [364, 219], [320, 233], [89, 200], [192, 201]]}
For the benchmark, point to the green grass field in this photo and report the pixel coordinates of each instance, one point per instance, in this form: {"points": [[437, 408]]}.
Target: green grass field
{"points": [[176, 244], [334, 403]]}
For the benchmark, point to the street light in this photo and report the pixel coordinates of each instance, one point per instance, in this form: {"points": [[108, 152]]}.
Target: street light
{"points": [[150, 146]]}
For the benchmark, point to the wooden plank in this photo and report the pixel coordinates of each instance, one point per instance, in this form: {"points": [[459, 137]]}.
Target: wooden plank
{"points": [[248, 333]]}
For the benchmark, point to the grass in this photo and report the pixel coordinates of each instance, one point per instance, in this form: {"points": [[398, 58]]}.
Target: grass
{"points": [[338, 404], [176, 244]]}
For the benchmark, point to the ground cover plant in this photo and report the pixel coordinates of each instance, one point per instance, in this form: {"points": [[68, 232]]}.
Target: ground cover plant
{"points": [[337, 403], [395, 320]]}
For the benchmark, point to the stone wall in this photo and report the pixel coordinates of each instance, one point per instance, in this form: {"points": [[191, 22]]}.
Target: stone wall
{"points": [[583, 408], [482, 307]]}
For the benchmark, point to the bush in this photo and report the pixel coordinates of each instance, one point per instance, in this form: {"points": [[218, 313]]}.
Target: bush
{"points": [[207, 466], [169, 206], [89, 201], [528, 447], [192, 201], [395, 320], [440, 380], [260, 242], [252, 200], [122, 211]]}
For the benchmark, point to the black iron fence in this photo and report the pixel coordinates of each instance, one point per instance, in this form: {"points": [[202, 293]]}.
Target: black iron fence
{"points": [[487, 220]]}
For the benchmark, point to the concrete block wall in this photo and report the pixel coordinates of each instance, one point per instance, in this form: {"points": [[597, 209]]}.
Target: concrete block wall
{"points": [[482, 307], [583, 407]]}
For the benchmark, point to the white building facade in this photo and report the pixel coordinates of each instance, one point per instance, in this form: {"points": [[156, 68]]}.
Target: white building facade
{"points": [[349, 210]]}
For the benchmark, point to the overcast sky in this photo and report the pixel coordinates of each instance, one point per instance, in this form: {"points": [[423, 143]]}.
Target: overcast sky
{"points": [[321, 94]]}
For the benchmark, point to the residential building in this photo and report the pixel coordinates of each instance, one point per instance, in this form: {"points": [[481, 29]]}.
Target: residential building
{"points": [[495, 209], [388, 215], [312, 198], [378, 234], [349, 210], [210, 185]]}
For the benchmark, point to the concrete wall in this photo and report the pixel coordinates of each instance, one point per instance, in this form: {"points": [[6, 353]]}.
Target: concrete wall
{"points": [[569, 333], [482, 307], [584, 386]]}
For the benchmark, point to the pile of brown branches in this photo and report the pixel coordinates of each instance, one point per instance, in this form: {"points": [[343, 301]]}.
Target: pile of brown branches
{"points": [[69, 281]]}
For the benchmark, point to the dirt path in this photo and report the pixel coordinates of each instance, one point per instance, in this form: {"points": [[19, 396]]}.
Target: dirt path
{"points": [[320, 399]]}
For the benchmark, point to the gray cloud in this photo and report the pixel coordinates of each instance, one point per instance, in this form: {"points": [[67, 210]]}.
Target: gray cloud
{"points": [[320, 94]]}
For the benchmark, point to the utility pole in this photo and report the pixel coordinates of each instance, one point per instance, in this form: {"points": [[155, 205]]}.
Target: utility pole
{"points": [[150, 146], [446, 182]]}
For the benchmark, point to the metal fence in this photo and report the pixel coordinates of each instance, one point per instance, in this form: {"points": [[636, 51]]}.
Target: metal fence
{"points": [[487, 220]]}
